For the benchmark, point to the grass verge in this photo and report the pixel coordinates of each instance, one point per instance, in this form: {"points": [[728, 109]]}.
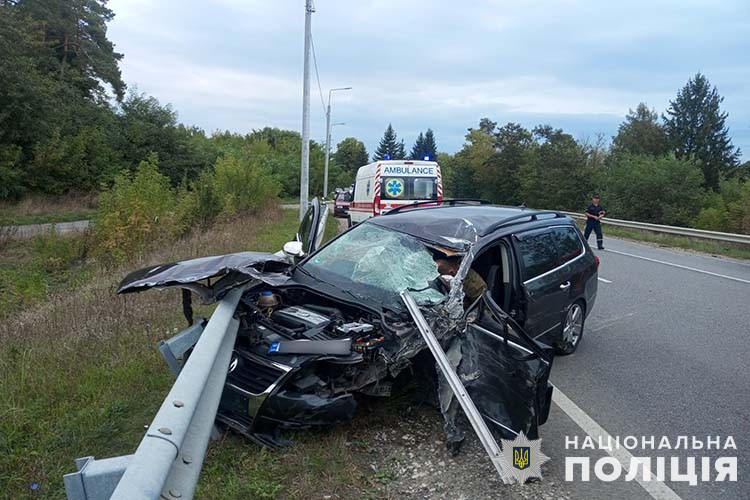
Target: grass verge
{"points": [[737, 251], [80, 373], [32, 269], [46, 209], [22, 220]]}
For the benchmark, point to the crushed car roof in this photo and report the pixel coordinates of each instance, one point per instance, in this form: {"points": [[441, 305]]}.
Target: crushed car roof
{"points": [[453, 226]]}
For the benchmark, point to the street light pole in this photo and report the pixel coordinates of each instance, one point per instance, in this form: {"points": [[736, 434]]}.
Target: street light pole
{"points": [[305, 163], [328, 139]]}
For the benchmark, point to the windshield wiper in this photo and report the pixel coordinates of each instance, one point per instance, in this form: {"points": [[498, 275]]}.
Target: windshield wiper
{"points": [[348, 292]]}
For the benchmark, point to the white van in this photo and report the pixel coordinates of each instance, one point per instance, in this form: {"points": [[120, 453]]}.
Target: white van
{"points": [[387, 184]]}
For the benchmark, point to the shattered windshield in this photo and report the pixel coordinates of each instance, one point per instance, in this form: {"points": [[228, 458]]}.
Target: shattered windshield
{"points": [[373, 260]]}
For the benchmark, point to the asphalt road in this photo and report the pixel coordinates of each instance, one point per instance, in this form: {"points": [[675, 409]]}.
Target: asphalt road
{"points": [[664, 354]]}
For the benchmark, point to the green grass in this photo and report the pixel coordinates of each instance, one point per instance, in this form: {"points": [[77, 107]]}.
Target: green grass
{"points": [[80, 373], [41, 209], [332, 227], [31, 269], [737, 251], [23, 219]]}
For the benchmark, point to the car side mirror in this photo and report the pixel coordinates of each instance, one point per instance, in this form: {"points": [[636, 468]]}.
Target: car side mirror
{"points": [[293, 249]]}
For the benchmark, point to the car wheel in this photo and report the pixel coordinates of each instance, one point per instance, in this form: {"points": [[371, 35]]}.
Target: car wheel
{"points": [[572, 329]]}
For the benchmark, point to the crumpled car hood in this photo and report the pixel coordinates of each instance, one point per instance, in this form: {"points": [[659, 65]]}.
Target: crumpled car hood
{"points": [[231, 270]]}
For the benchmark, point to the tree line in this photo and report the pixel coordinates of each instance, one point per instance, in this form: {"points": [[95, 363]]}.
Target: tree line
{"points": [[679, 168], [68, 123]]}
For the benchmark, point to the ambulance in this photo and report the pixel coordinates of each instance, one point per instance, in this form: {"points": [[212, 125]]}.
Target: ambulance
{"points": [[387, 184]]}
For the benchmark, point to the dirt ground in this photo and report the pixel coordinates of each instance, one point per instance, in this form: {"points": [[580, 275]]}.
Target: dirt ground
{"points": [[408, 456]]}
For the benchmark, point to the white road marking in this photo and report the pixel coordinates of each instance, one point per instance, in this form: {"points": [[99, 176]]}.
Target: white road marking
{"points": [[681, 266], [657, 489], [603, 280], [601, 326]]}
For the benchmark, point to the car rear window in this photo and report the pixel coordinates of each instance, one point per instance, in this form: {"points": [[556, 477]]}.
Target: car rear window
{"points": [[569, 244], [538, 253]]}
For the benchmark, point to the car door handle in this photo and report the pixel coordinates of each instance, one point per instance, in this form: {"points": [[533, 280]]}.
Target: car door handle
{"points": [[565, 285]]}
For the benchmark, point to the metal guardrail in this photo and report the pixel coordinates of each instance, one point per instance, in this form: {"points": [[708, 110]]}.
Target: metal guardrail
{"points": [[682, 231], [169, 459]]}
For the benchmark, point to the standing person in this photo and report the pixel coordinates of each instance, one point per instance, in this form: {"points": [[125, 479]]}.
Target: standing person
{"points": [[594, 214]]}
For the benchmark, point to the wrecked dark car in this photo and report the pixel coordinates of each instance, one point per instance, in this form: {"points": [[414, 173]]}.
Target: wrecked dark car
{"points": [[320, 325]]}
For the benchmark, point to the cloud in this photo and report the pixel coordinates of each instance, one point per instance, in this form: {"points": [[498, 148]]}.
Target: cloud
{"points": [[577, 64]]}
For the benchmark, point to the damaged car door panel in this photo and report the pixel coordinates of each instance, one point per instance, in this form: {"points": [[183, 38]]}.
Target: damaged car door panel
{"points": [[316, 331]]}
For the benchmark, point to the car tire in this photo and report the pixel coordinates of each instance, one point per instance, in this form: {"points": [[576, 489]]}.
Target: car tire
{"points": [[571, 332]]}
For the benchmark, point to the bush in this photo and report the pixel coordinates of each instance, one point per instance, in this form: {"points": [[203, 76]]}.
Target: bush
{"points": [[56, 253], [243, 184], [139, 210], [728, 210], [663, 190], [713, 219], [207, 203], [11, 175]]}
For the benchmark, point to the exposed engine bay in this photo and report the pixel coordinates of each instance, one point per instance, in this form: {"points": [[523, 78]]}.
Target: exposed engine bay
{"points": [[311, 355]]}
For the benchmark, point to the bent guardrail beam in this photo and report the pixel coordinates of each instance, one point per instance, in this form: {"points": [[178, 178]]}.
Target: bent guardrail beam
{"points": [[454, 381], [682, 231], [169, 459]]}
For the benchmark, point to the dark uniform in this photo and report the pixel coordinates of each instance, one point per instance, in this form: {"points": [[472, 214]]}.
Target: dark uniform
{"points": [[595, 225]]}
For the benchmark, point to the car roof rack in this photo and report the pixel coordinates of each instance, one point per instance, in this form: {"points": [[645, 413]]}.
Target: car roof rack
{"points": [[451, 202], [516, 219]]}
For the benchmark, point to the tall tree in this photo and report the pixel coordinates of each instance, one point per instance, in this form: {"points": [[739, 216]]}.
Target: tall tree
{"points": [[417, 151], [696, 127], [430, 147], [557, 176], [486, 125], [497, 175], [425, 147], [641, 134], [350, 155], [76, 32], [390, 146]]}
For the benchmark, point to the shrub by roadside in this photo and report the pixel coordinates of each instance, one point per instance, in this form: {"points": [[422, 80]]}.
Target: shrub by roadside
{"points": [[142, 211]]}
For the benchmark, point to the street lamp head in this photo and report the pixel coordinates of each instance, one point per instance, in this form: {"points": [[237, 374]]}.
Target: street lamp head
{"points": [[330, 91]]}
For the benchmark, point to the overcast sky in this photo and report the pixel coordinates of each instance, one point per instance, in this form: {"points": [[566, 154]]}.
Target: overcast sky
{"points": [[577, 64]]}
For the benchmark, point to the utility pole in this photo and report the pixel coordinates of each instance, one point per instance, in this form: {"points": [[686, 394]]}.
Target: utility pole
{"points": [[328, 139], [304, 179]]}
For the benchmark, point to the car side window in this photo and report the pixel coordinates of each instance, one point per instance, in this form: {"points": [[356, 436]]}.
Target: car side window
{"points": [[305, 228], [538, 253], [569, 245]]}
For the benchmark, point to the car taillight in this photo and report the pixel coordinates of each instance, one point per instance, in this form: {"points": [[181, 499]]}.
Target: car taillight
{"points": [[596, 259]]}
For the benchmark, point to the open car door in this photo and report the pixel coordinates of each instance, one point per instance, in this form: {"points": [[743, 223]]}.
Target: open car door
{"points": [[312, 226], [505, 371]]}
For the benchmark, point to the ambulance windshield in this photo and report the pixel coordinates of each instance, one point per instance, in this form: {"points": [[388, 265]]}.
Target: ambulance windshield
{"points": [[379, 263]]}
